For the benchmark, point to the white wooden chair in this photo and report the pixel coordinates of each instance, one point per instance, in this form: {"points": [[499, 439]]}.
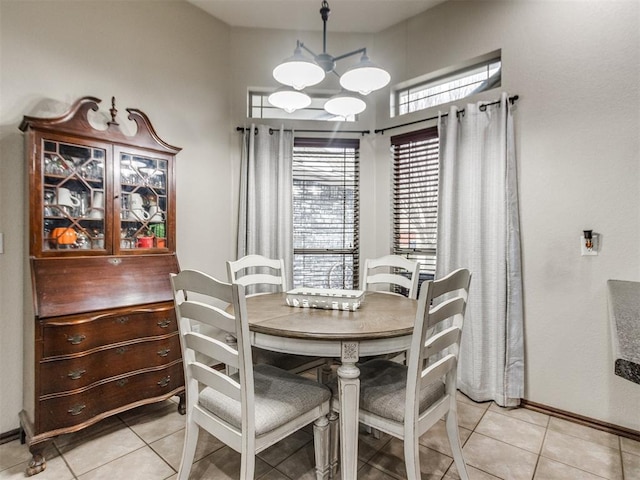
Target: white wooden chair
{"points": [[252, 409], [256, 271], [407, 400], [391, 270]]}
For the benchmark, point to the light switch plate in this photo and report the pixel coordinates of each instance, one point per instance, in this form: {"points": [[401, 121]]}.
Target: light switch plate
{"points": [[589, 251]]}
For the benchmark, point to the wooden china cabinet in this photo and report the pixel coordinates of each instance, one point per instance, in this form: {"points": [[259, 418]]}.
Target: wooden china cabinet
{"points": [[100, 331]]}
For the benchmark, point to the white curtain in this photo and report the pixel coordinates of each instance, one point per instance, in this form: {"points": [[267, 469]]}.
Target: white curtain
{"points": [[265, 214], [479, 229]]}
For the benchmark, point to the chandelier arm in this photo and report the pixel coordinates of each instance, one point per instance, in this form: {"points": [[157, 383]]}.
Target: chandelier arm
{"points": [[355, 52], [304, 47]]}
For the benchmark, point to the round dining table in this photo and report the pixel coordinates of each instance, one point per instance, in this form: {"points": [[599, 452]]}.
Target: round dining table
{"points": [[382, 324]]}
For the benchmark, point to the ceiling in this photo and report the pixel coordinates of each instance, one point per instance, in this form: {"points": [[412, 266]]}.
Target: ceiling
{"points": [[357, 16]]}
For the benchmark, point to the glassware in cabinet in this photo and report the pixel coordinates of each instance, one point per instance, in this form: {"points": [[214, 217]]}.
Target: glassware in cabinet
{"points": [[144, 201], [73, 204]]}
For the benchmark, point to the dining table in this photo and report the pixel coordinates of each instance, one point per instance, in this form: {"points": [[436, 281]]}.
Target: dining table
{"points": [[382, 324]]}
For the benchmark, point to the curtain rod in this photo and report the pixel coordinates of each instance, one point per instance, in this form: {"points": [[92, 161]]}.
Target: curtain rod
{"points": [[483, 107], [271, 130]]}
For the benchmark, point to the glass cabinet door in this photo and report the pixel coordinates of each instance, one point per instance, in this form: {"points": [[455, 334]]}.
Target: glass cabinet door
{"points": [[73, 197], [143, 201]]}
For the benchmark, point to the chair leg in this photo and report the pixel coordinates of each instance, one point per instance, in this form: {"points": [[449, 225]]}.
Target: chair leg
{"points": [[324, 372], [334, 439], [188, 450], [453, 435], [412, 458], [321, 445], [247, 465]]}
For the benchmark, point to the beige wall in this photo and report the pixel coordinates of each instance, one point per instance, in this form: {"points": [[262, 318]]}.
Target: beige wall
{"points": [[575, 66], [167, 59]]}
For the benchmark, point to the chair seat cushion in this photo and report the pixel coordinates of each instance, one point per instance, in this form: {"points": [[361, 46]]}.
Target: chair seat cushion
{"points": [[383, 386], [280, 396]]}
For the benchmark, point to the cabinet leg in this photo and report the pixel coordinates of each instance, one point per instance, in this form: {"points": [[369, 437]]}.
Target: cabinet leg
{"points": [[37, 463], [182, 407]]}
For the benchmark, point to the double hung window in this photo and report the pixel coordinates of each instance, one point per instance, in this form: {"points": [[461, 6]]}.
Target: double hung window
{"points": [[415, 197], [325, 213]]}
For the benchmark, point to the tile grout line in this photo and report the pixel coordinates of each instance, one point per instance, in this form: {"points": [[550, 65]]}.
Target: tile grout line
{"points": [[150, 447]]}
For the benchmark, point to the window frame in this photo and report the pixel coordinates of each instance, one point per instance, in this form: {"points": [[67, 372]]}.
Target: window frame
{"points": [[351, 219], [258, 106], [414, 153], [446, 76]]}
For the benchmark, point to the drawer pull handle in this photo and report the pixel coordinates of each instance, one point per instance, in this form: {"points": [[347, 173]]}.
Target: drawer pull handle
{"points": [[121, 350], [122, 320], [122, 382], [76, 339], [76, 409], [76, 374], [164, 352], [164, 323], [165, 381], [115, 261]]}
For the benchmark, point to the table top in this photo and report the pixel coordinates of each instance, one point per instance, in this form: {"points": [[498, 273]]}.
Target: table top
{"points": [[380, 315]]}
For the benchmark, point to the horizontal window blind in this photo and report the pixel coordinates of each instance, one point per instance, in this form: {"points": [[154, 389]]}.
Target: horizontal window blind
{"points": [[326, 176], [415, 197]]}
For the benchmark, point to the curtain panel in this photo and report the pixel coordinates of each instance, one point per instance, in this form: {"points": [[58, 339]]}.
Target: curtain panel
{"points": [[265, 213], [479, 229]]}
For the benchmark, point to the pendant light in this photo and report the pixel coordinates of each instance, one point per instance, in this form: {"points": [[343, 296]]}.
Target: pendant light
{"points": [[299, 72]]}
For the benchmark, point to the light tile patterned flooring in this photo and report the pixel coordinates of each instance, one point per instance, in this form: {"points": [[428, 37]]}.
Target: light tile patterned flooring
{"points": [[509, 444]]}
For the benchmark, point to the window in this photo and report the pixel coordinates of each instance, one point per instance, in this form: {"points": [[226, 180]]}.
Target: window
{"points": [[325, 213], [415, 197], [448, 87], [259, 107]]}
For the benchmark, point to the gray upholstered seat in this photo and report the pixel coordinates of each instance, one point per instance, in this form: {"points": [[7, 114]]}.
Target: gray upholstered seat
{"points": [[280, 397], [383, 385]]}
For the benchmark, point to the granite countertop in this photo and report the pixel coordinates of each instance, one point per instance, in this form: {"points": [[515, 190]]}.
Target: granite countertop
{"points": [[624, 314]]}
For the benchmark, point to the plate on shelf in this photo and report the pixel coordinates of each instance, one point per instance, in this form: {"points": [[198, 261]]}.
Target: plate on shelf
{"points": [[325, 298]]}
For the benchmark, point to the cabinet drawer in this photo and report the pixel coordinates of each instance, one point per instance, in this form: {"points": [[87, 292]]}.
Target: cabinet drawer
{"points": [[81, 333], [67, 410], [79, 372]]}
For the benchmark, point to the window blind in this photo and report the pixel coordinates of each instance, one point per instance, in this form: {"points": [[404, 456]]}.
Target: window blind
{"points": [[415, 197], [326, 178]]}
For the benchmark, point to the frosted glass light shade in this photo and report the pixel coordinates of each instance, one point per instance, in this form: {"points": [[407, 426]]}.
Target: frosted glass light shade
{"points": [[298, 71], [364, 77], [345, 104], [289, 99]]}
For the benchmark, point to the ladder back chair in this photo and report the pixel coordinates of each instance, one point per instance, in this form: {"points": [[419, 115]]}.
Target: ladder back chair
{"points": [[407, 400], [391, 270], [253, 408], [253, 271]]}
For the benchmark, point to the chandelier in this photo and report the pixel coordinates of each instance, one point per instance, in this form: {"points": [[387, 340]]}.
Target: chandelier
{"points": [[299, 72]]}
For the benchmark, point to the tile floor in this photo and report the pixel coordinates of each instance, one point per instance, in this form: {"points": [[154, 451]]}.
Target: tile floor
{"points": [[509, 444]]}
